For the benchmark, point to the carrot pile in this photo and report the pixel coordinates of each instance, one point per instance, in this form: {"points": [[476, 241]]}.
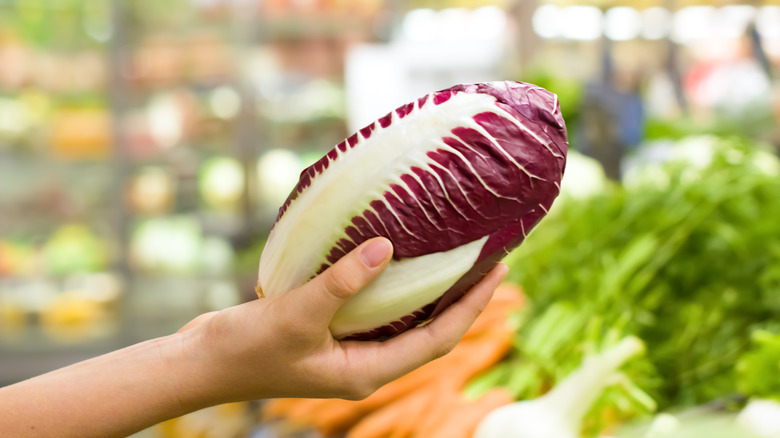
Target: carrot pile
{"points": [[428, 402]]}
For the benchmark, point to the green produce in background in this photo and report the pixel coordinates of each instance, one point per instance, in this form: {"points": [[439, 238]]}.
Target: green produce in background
{"points": [[73, 248], [684, 255], [758, 371]]}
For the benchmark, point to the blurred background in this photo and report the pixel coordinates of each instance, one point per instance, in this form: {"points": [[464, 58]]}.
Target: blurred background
{"points": [[146, 146]]}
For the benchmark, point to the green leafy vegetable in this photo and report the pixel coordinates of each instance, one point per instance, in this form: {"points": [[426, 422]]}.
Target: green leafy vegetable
{"points": [[758, 370], [685, 258], [559, 412]]}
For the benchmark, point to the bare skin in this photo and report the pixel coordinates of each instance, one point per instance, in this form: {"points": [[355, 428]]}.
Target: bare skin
{"points": [[271, 347]]}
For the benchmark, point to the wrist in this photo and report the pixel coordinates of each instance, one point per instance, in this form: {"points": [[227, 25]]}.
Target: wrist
{"points": [[206, 369], [191, 370]]}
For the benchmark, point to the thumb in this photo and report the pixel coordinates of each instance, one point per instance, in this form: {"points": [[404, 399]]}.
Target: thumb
{"points": [[321, 297]]}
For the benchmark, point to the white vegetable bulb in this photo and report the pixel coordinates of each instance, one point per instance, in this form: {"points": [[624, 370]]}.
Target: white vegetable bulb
{"points": [[559, 413], [584, 177], [526, 419], [761, 417]]}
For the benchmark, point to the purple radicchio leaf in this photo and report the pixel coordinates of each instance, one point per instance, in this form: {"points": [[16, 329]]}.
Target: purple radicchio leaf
{"points": [[455, 179]]}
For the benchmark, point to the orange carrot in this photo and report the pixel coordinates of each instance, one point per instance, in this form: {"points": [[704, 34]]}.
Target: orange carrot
{"points": [[305, 410], [340, 415], [466, 360], [506, 299], [462, 421], [397, 418], [486, 342], [443, 390], [509, 291], [485, 323], [430, 371], [278, 407], [438, 413]]}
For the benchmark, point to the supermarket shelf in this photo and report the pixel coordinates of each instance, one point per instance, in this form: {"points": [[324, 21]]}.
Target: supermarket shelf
{"points": [[38, 354], [154, 305]]}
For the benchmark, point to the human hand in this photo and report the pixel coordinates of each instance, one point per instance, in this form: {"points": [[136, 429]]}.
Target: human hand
{"points": [[282, 346], [271, 347]]}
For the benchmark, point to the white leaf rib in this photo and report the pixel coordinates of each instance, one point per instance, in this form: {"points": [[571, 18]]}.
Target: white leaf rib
{"points": [[463, 192], [429, 169], [474, 171], [381, 222], [376, 195], [395, 213], [503, 151], [374, 230], [415, 163], [502, 113], [417, 200]]}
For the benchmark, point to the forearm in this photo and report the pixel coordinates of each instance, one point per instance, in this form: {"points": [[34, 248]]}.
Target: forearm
{"points": [[111, 395], [272, 347]]}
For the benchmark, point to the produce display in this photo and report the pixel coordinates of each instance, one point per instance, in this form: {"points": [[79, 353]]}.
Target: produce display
{"points": [[455, 180], [139, 195], [559, 412], [634, 267], [701, 346], [428, 402]]}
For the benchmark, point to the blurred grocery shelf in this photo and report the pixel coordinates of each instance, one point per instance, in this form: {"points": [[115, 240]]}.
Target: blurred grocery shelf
{"points": [[143, 152], [145, 146]]}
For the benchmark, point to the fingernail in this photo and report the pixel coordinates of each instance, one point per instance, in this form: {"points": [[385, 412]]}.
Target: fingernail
{"points": [[375, 252]]}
